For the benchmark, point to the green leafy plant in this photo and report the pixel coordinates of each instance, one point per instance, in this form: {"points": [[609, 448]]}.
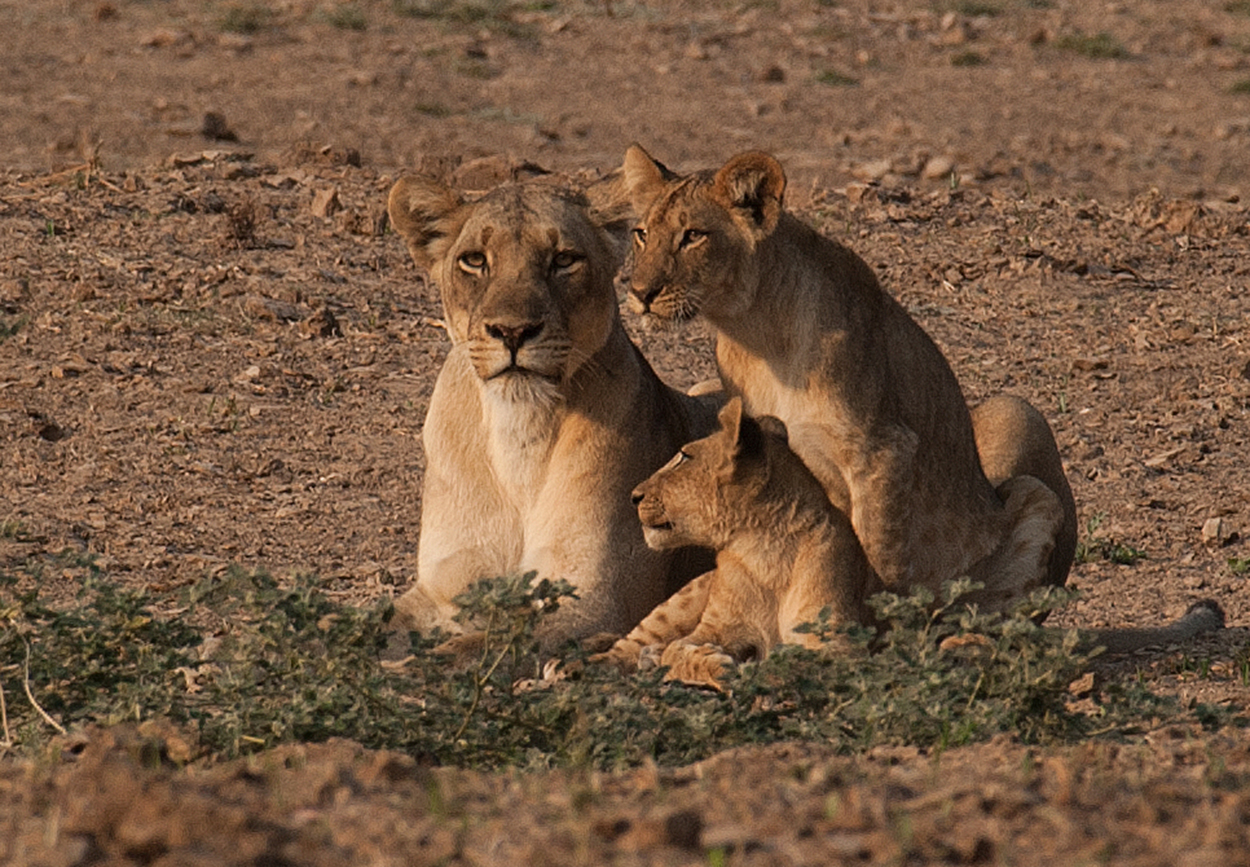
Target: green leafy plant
{"points": [[288, 663], [1096, 547], [346, 16], [1098, 46], [833, 78], [245, 18], [968, 59]]}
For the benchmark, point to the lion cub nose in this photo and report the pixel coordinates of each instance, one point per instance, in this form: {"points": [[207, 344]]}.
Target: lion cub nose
{"points": [[636, 497], [513, 337]]}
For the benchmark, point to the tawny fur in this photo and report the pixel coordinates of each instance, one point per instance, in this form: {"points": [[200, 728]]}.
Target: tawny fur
{"points": [[805, 333], [784, 553], [544, 415]]}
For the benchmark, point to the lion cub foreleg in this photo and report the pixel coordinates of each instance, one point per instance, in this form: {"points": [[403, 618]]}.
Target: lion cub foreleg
{"points": [[674, 618]]}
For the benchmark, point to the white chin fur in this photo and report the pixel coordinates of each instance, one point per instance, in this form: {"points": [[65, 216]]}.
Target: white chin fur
{"points": [[659, 540]]}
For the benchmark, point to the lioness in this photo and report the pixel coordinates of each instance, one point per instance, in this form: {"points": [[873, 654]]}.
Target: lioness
{"points": [[805, 333], [784, 553], [544, 415]]}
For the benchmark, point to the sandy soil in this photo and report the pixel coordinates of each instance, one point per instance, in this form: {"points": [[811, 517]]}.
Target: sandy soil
{"points": [[213, 353]]}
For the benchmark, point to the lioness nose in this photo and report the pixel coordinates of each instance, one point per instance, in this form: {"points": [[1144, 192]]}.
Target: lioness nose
{"points": [[515, 336], [635, 497]]}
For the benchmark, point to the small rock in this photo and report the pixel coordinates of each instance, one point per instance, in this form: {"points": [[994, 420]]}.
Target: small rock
{"points": [[937, 167], [773, 75], [873, 170], [321, 324], [215, 127], [1214, 532], [326, 203]]}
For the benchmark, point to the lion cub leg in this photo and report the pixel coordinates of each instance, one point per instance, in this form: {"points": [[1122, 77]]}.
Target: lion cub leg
{"points": [[1021, 563], [675, 618], [739, 623]]}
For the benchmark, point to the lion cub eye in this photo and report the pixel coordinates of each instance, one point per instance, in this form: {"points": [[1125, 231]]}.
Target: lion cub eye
{"points": [[564, 260], [473, 262], [691, 237], [640, 236]]}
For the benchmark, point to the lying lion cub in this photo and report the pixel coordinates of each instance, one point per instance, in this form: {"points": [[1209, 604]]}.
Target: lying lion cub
{"points": [[805, 333], [784, 553], [544, 415]]}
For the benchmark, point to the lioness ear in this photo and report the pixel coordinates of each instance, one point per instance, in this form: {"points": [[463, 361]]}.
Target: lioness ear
{"points": [[753, 183], [644, 177], [418, 209]]}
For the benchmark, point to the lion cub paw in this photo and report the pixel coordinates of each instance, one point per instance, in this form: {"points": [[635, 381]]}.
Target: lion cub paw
{"points": [[696, 664]]}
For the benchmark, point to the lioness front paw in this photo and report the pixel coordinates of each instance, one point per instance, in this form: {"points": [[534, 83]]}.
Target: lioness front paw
{"points": [[696, 664]]}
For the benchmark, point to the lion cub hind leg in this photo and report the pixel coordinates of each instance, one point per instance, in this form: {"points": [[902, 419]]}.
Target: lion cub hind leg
{"points": [[670, 620], [1021, 564]]}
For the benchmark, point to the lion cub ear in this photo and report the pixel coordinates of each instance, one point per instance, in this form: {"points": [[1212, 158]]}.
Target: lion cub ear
{"points": [[644, 177], [419, 210], [743, 438], [753, 184]]}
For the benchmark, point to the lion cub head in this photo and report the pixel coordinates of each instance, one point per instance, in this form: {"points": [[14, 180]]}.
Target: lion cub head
{"points": [[524, 273], [721, 485], [695, 245]]}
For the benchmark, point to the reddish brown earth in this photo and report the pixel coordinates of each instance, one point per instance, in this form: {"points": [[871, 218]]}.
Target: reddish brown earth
{"points": [[214, 354]]}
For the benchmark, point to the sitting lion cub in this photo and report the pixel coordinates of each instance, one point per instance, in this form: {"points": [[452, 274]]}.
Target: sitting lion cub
{"points": [[544, 415], [784, 553], [805, 333]]}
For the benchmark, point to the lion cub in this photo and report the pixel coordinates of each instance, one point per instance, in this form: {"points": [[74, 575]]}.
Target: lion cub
{"points": [[784, 552]]}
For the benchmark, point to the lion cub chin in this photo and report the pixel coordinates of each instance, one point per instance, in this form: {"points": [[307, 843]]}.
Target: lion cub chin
{"points": [[784, 553]]}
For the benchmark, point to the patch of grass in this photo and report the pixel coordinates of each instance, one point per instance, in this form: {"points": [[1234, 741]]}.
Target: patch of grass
{"points": [[1098, 46], [1242, 86], [10, 327], [346, 16], [978, 8], [1096, 547], [1239, 565], [1238, 7], [294, 665], [496, 15], [432, 109], [833, 78], [968, 59], [245, 18]]}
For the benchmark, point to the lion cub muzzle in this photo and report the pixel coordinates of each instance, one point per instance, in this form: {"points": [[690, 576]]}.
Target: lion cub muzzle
{"points": [[657, 529]]}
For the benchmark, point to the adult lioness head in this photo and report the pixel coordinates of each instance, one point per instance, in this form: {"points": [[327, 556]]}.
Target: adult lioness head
{"points": [[530, 296], [695, 250]]}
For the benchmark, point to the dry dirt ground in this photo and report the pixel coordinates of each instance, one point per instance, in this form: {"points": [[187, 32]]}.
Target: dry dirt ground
{"points": [[212, 352]]}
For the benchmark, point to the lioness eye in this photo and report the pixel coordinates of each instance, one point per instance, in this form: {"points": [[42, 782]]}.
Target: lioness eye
{"points": [[472, 261], [564, 259], [692, 237], [640, 236], [682, 456]]}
